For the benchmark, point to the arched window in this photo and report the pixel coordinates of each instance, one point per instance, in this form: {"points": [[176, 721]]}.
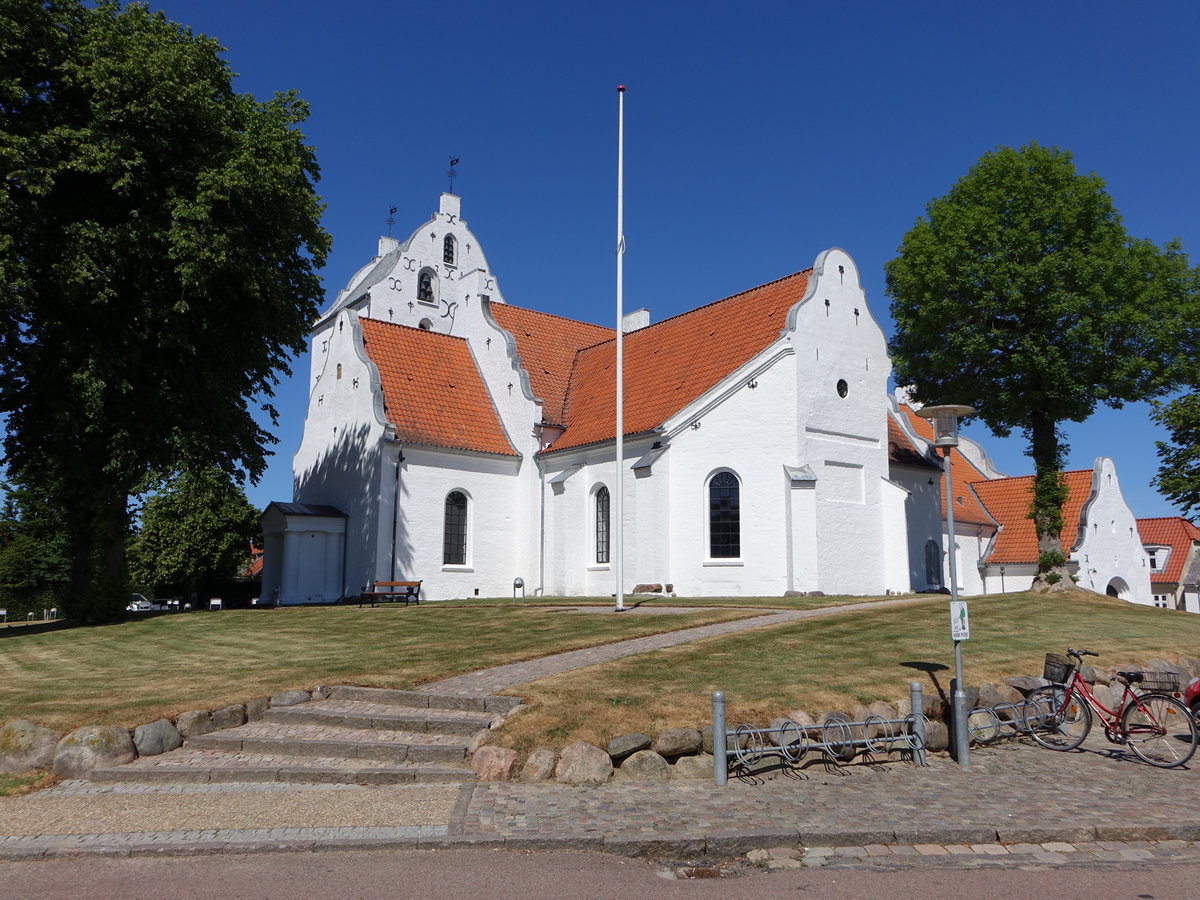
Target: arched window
{"points": [[425, 286], [933, 564], [454, 542], [602, 525], [448, 249], [724, 517]]}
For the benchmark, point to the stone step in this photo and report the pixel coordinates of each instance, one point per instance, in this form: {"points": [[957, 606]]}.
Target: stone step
{"points": [[423, 700], [331, 741], [204, 766], [381, 717]]}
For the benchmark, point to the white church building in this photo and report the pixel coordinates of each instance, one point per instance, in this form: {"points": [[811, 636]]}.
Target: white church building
{"points": [[458, 440]]}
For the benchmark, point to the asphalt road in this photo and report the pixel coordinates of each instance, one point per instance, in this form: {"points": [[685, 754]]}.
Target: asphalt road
{"points": [[506, 874]]}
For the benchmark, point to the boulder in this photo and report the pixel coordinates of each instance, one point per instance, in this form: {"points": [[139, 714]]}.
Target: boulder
{"points": [[1192, 665], [1088, 674], [156, 737], [289, 698], [539, 767], [883, 710], [937, 737], [25, 747], [677, 742], [1103, 676], [494, 763], [583, 763], [785, 730], [802, 718], [626, 744], [645, 765], [478, 739], [321, 692], [839, 739], [194, 722], [998, 694], [693, 768], [647, 589], [92, 747], [257, 708], [1026, 684], [228, 717], [931, 705]]}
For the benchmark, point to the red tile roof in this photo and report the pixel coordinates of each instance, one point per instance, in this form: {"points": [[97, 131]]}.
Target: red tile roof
{"points": [[1175, 532], [673, 362], [1008, 500], [547, 346], [963, 474], [433, 391], [901, 449]]}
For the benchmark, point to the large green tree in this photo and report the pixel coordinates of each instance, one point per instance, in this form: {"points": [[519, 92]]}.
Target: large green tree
{"points": [[159, 240], [196, 530], [1178, 476], [1021, 294]]}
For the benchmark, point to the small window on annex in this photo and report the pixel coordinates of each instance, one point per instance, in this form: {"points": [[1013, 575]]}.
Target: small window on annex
{"points": [[724, 517], [448, 249], [425, 286], [454, 542], [602, 525], [933, 564]]}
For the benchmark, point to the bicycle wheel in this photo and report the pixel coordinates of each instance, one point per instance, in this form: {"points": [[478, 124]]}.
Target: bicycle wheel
{"points": [[1055, 720], [1160, 730]]}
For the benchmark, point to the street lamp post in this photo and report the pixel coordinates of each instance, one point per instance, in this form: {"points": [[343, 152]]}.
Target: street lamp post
{"points": [[944, 420]]}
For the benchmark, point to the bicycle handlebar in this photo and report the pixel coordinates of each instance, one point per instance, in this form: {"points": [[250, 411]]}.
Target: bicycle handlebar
{"points": [[1079, 654]]}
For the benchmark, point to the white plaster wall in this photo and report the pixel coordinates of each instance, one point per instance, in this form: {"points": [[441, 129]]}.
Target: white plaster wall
{"points": [[1111, 547], [970, 543], [897, 578], [1014, 579], [305, 561], [494, 542], [843, 439], [923, 521], [340, 461]]}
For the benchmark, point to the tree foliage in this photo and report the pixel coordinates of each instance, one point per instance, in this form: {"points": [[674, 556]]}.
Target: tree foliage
{"points": [[34, 560], [159, 240], [1178, 476], [1021, 294], [195, 531]]}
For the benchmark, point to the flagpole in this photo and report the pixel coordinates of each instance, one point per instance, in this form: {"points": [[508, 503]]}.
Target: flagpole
{"points": [[618, 533]]}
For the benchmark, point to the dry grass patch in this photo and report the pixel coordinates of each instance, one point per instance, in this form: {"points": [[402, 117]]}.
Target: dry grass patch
{"points": [[836, 663], [140, 670], [16, 785]]}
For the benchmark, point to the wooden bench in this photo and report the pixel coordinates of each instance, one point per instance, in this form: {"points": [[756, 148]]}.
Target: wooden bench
{"points": [[391, 592]]}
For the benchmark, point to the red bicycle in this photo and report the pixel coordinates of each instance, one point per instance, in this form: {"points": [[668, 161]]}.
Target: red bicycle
{"points": [[1152, 723]]}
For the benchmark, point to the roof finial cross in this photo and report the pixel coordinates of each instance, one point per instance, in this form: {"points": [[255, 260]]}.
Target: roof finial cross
{"points": [[452, 174]]}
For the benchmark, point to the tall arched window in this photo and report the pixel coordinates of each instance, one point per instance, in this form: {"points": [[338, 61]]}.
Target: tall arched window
{"points": [[454, 542], [602, 525], [933, 564], [425, 286], [448, 249], [724, 517]]}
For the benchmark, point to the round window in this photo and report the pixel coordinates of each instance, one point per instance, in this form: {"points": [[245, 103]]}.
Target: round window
{"points": [[842, 387]]}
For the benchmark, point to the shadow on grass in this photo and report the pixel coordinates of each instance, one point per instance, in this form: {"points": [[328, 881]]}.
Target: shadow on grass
{"points": [[931, 669]]}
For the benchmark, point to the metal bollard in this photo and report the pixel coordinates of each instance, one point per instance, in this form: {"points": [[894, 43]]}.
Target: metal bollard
{"points": [[916, 700], [720, 751]]}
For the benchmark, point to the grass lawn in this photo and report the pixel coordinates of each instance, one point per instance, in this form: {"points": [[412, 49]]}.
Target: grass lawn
{"points": [[140, 670], [837, 662]]}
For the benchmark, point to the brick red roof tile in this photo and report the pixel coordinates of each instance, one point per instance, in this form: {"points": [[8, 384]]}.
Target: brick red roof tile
{"points": [[675, 361], [433, 392], [901, 449], [963, 475], [1009, 499], [1175, 532], [547, 346]]}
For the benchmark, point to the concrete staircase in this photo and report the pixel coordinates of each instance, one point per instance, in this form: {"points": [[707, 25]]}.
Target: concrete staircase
{"points": [[355, 736]]}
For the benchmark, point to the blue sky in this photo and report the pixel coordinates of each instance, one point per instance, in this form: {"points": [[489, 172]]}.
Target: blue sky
{"points": [[757, 135]]}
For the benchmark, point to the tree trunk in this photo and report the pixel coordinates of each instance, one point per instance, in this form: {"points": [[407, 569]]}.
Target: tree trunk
{"points": [[1049, 494]]}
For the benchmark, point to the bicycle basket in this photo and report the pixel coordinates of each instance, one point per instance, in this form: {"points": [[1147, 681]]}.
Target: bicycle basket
{"points": [[1057, 668], [1159, 682]]}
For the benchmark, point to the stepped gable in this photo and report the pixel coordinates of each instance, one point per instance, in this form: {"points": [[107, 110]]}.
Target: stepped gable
{"points": [[963, 475], [673, 362], [547, 346], [433, 392], [1009, 499], [1175, 532]]}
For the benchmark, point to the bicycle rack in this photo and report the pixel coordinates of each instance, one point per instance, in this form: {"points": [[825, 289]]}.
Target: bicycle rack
{"points": [[836, 740]]}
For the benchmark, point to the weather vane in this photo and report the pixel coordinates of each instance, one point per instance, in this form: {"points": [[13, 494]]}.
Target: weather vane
{"points": [[452, 173], [391, 220]]}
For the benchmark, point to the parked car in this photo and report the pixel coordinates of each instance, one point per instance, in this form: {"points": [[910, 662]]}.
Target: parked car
{"points": [[139, 603]]}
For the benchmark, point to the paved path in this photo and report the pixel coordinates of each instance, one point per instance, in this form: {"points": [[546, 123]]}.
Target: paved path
{"points": [[491, 681]]}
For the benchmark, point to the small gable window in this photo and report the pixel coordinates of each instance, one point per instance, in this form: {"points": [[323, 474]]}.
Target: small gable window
{"points": [[602, 524], [448, 249], [454, 542], [425, 286], [724, 516]]}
